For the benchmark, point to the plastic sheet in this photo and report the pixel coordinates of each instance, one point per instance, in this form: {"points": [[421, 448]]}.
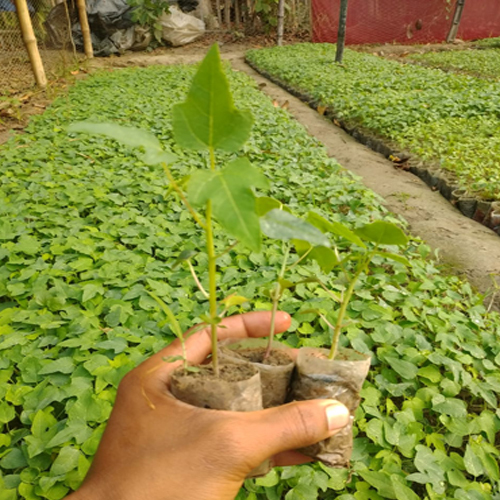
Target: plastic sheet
{"points": [[342, 379], [179, 28]]}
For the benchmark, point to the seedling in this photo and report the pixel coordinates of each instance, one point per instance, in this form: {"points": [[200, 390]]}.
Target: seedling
{"points": [[377, 233], [278, 223], [208, 122]]}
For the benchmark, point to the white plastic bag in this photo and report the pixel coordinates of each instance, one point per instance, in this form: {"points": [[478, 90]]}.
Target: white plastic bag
{"points": [[179, 28]]}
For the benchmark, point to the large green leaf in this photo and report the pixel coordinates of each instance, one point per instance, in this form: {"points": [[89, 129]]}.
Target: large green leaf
{"points": [[382, 233], [232, 198], [208, 118], [281, 225], [129, 136]]}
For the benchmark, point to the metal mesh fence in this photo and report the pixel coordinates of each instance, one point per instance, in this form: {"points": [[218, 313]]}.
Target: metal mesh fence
{"points": [[56, 48]]}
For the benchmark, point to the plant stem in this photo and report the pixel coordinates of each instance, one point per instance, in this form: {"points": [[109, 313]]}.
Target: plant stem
{"points": [[212, 285], [196, 280], [276, 297], [227, 250], [183, 198], [343, 306], [304, 255]]}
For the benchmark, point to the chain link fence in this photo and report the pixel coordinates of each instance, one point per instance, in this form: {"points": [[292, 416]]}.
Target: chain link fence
{"points": [[55, 45]]}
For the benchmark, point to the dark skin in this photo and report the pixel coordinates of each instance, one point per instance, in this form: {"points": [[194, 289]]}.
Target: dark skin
{"points": [[156, 447]]}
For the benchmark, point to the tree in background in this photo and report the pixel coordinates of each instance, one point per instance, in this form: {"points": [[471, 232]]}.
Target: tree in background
{"points": [[341, 32]]}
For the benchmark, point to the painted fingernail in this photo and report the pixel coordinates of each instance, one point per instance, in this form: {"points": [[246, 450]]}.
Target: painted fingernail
{"points": [[337, 416]]}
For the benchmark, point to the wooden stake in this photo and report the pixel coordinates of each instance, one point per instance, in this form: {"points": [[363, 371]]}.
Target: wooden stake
{"points": [[68, 20], [84, 23], [227, 14], [30, 42], [281, 21], [237, 14]]}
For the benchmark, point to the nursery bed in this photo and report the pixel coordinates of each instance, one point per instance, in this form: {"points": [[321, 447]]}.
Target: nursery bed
{"points": [[86, 229], [447, 122]]}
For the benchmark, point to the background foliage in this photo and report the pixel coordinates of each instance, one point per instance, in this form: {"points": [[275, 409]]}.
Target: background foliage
{"points": [[427, 111], [481, 63], [86, 228]]}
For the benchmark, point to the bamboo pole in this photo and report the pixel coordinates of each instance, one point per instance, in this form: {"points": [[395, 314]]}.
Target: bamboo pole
{"points": [[281, 21], [84, 23], [457, 16], [30, 42]]}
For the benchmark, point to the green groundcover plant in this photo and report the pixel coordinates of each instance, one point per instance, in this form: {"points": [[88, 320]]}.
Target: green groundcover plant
{"points": [[481, 63], [88, 230], [448, 119]]}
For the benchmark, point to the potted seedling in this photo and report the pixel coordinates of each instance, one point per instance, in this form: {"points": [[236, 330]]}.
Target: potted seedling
{"points": [[339, 373], [272, 358], [209, 122]]}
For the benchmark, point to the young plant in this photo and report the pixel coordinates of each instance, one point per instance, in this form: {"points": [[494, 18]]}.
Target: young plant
{"points": [[367, 239], [278, 223], [207, 122]]}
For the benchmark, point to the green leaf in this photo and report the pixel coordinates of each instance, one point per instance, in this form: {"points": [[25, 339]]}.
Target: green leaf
{"points": [[382, 233], [61, 365], [66, 461], [271, 479], [282, 225], [430, 372], [402, 491], [232, 198], [14, 459], [472, 462], [183, 256], [176, 328], [28, 245], [336, 228], [395, 257], [208, 118], [264, 204], [403, 368], [7, 412], [379, 480], [129, 136], [325, 257]]}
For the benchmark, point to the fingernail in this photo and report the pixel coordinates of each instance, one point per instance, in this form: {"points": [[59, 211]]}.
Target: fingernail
{"points": [[337, 416]]}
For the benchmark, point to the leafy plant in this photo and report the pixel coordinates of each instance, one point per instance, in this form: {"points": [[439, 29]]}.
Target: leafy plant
{"points": [[446, 118], [378, 233], [87, 229], [207, 121], [148, 12]]}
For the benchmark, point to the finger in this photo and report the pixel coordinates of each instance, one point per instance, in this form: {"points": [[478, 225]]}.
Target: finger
{"points": [[198, 345], [290, 458], [289, 427]]}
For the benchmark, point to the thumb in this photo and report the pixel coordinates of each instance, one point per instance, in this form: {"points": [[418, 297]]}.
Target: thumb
{"points": [[293, 426]]}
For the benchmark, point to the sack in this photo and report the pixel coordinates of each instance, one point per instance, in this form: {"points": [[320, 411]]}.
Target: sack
{"points": [[179, 28]]}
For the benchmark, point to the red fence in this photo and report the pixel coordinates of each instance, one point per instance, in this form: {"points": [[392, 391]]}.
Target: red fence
{"points": [[404, 21]]}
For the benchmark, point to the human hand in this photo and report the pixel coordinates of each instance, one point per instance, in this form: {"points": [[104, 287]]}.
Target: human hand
{"points": [[156, 447]]}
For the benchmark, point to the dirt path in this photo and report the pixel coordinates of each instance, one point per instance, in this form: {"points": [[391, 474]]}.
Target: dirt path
{"points": [[470, 249]]}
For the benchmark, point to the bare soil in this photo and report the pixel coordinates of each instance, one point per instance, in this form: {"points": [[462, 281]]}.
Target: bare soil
{"points": [[465, 246], [276, 357]]}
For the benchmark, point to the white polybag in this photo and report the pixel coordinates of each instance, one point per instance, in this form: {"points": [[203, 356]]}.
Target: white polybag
{"points": [[179, 28]]}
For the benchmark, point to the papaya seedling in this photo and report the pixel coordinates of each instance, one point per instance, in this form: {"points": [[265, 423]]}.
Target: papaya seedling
{"points": [[340, 373], [377, 233], [207, 121]]}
